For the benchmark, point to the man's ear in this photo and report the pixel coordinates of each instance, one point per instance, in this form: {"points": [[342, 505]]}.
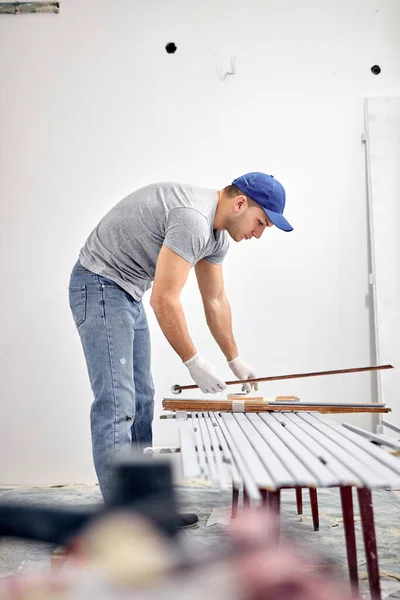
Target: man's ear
{"points": [[240, 204]]}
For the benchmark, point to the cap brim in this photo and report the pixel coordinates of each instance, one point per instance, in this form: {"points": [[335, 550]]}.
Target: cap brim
{"points": [[279, 220]]}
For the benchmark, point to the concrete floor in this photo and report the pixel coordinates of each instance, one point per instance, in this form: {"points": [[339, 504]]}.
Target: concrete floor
{"points": [[20, 556]]}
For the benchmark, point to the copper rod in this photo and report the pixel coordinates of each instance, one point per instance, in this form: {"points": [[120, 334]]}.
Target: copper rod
{"points": [[178, 388]]}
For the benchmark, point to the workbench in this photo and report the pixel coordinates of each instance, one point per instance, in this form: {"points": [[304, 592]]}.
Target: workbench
{"points": [[266, 452]]}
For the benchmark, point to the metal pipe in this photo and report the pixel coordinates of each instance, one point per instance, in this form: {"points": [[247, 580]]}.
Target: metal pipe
{"points": [[177, 389]]}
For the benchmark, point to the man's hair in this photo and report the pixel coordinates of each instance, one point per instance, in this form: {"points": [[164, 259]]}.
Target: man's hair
{"points": [[231, 191]]}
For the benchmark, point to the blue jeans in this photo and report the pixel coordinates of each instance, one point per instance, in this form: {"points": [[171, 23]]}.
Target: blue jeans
{"points": [[116, 342]]}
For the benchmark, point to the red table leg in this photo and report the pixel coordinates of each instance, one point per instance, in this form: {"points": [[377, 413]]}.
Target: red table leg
{"points": [[299, 500], [235, 500], [314, 508], [371, 551], [274, 502], [265, 496], [346, 496]]}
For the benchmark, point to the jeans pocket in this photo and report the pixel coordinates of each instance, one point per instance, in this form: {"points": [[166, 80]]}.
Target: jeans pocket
{"points": [[77, 303]]}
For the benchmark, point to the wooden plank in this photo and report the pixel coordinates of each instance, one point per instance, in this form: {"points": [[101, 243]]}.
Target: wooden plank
{"points": [[189, 460], [324, 476], [381, 439], [227, 454], [277, 470], [301, 475], [249, 406], [248, 481], [251, 459], [302, 431], [348, 449]]}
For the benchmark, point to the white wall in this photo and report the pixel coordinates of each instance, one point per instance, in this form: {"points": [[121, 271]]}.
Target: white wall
{"points": [[92, 107]]}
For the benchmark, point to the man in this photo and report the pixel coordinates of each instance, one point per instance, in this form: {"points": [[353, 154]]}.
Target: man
{"points": [[152, 238]]}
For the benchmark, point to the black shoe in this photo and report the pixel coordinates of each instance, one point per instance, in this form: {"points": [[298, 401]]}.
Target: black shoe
{"points": [[188, 520]]}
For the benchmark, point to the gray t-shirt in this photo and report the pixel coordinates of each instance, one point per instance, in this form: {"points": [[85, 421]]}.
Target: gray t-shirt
{"points": [[124, 246]]}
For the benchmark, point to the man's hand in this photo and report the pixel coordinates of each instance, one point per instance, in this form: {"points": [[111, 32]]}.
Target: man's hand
{"points": [[203, 373], [243, 371]]}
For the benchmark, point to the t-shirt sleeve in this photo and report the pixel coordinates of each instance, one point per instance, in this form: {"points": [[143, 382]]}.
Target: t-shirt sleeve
{"points": [[186, 233], [217, 257]]}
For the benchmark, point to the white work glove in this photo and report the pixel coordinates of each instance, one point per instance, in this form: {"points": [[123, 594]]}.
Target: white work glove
{"points": [[203, 373], [243, 371]]}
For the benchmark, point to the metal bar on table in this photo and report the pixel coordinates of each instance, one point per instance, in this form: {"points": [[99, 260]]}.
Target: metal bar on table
{"points": [[277, 470], [248, 482], [269, 429], [294, 405], [216, 450], [320, 447], [391, 426], [378, 454], [230, 461], [200, 446], [189, 457], [381, 439], [178, 388], [308, 451], [301, 476], [208, 451], [254, 464], [371, 472]]}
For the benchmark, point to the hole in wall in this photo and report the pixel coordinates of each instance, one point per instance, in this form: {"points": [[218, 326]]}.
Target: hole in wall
{"points": [[376, 69], [170, 48]]}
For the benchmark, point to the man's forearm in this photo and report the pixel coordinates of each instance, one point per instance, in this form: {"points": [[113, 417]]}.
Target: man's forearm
{"points": [[171, 318], [219, 320]]}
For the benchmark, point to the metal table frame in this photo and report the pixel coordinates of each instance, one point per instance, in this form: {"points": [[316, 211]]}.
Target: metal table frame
{"points": [[267, 452]]}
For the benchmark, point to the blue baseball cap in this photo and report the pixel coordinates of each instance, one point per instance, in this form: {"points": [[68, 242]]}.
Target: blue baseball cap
{"points": [[268, 193]]}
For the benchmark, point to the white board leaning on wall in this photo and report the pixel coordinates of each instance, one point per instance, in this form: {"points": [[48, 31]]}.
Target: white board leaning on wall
{"points": [[382, 118]]}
